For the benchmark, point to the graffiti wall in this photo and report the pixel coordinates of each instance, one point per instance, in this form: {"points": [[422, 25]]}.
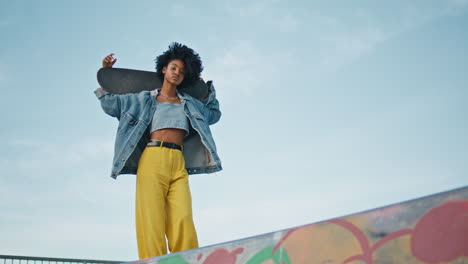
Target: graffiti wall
{"points": [[433, 229]]}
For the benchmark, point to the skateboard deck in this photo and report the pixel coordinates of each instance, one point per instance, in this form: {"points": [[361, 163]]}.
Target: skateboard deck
{"points": [[122, 81]]}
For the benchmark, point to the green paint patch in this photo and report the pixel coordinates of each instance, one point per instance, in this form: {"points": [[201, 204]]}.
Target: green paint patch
{"points": [[173, 260]]}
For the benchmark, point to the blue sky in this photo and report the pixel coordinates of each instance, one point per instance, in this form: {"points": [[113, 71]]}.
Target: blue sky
{"points": [[329, 108]]}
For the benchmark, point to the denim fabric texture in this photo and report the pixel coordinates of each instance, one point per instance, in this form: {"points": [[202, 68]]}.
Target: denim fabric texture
{"points": [[135, 112]]}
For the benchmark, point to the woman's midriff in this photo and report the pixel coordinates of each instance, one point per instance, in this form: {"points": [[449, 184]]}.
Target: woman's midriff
{"points": [[172, 135]]}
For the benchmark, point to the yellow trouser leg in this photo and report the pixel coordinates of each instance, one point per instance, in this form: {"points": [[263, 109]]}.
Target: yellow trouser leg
{"points": [[150, 208], [180, 229], [163, 203]]}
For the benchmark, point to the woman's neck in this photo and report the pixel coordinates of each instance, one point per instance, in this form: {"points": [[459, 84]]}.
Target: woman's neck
{"points": [[169, 89]]}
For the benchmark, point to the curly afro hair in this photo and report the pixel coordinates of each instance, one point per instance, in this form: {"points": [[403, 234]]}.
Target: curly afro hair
{"points": [[192, 62]]}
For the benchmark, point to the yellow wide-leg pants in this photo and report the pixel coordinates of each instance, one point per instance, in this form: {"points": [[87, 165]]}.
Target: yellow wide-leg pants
{"points": [[163, 203]]}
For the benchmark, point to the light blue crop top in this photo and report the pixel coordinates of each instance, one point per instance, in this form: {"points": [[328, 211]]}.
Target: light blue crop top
{"points": [[169, 115]]}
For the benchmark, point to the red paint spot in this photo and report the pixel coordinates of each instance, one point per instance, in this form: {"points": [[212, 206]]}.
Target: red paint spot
{"points": [[442, 234], [199, 256], [221, 255], [237, 251]]}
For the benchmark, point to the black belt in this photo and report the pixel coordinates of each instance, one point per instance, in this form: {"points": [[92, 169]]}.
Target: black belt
{"points": [[157, 143]]}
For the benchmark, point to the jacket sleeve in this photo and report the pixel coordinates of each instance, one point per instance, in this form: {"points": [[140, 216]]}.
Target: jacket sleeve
{"points": [[110, 103], [212, 105]]}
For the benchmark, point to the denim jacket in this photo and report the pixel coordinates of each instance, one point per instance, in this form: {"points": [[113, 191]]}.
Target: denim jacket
{"points": [[135, 112]]}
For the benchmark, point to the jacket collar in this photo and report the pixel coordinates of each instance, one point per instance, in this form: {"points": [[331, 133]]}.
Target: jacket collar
{"points": [[182, 96]]}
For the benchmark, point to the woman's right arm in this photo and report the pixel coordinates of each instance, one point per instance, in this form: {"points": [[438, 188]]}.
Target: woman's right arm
{"points": [[110, 103]]}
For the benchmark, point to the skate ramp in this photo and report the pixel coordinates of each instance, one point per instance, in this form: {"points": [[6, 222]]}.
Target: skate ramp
{"points": [[432, 229]]}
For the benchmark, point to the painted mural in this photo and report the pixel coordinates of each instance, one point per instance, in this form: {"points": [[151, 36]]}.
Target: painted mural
{"points": [[433, 229]]}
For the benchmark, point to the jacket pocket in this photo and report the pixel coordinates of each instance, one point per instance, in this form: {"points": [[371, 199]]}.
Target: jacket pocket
{"points": [[127, 122]]}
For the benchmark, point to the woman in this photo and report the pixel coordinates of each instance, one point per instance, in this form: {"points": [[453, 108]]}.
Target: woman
{"points": [[164, 135]]}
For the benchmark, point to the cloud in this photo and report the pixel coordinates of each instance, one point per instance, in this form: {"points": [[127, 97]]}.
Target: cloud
{"points": [[47, 154], [346, 45], [287, 23], [455, 7], [5, 23], [57, 196], [411, 15], [178, 10], [74, 233], [268, 13], [242, 69], [343, 39], [266, 214], [249, 8], [262, 215], [329, 39], [25, 143]]}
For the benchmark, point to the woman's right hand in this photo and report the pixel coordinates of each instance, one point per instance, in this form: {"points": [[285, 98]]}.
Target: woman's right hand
{"points": [[109, 61]]}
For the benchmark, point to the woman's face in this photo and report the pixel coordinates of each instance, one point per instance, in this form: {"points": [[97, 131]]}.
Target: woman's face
{"points": [[174, 72]]}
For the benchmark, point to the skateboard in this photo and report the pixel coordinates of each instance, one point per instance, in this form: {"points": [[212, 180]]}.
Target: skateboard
{"points": [[122, 81]]}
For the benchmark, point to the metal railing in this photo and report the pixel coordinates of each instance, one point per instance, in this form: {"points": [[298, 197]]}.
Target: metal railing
{"points": [[8, 259]]}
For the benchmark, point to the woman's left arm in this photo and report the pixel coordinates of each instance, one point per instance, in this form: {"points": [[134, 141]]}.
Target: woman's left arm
{"points": [[211, 104]]}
